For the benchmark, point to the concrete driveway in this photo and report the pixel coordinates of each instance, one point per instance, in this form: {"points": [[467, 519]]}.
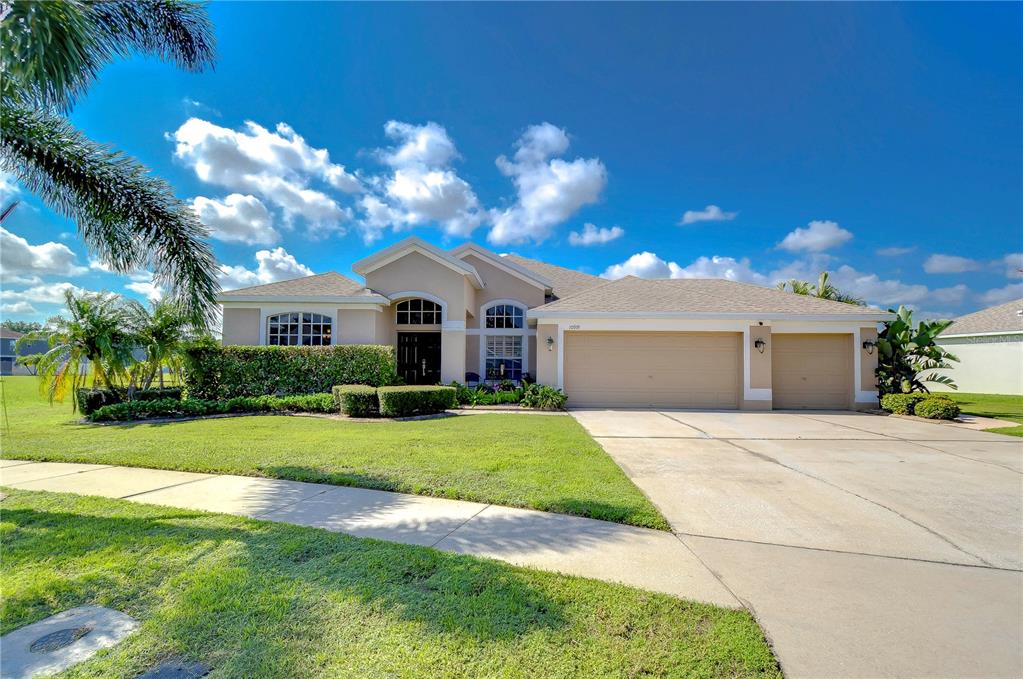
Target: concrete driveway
{"points": [[866, 546]]}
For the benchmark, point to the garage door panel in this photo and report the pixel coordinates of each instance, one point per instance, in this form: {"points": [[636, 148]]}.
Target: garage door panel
{"points": [[811, 370], [667, 370]]}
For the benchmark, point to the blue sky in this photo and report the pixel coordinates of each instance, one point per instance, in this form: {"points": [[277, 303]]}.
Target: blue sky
{"points": [[882, 142]]}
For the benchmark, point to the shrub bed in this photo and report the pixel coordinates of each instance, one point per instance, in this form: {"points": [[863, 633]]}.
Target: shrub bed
{"points": [[901, 404], [415, 400], [937, 408], [356, 400], [90, 400], [543, 397], [196, 407], [219, 372]]}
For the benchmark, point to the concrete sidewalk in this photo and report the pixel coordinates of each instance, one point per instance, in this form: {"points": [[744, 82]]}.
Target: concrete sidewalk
{"points": [[640, 557]]}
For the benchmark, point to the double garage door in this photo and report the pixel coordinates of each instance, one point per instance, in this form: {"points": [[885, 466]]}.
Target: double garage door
{"points": [[702, 370], [656, 369]]}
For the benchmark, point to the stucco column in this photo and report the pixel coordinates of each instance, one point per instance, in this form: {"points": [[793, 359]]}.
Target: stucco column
{"points": [[546, 359], [866, 380], [452, 354], [756, 387]]}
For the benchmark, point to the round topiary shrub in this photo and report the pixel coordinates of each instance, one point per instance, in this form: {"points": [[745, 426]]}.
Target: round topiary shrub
{"points": [[937, 408]]}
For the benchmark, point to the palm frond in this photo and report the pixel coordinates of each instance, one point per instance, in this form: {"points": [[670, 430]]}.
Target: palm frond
{"points": [[128, 217], [52, 51]]}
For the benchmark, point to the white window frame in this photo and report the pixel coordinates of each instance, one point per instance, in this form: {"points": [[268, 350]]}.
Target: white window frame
{"points": [[439, 311], [484, 332], [327, 320]]}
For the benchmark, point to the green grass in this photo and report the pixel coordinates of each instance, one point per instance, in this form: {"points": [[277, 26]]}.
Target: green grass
{"points": [[261, 599], [1000, 406], [535, 461]]}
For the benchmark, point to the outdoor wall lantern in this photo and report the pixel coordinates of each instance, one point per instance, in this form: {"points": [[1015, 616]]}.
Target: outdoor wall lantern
{"points": [[760, 344], [868, 346], [550, 343]]}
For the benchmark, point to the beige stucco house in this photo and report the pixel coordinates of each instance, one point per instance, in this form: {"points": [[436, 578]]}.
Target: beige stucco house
{"points": [[469, 314]]}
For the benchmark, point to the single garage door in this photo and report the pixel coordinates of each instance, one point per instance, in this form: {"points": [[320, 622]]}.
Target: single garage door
{"points": [[659, 369], [811, 371]]}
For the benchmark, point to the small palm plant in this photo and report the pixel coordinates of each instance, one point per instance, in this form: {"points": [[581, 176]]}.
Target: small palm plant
{"points": [[91, 341], [823, 289], [50, 53], [162, 333], [906, 353]]}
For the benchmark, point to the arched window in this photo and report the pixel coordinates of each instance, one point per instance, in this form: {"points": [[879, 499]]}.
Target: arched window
{"points": [[298, 328], [504, 316], [417, 312]]}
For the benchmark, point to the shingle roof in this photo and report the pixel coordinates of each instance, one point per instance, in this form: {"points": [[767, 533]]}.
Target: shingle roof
{"points": [[1001, 318], [330, 284], [565, 282], [6, 333], [698, 296]]}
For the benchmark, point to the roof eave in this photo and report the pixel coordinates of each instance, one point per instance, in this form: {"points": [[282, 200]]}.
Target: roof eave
{"points": [[315, 299], [871, 317], [501, 263]]}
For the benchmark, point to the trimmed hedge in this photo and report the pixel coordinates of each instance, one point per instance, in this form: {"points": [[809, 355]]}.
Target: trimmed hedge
{"points": [[415, 400], [356, 400], [90, 400], [195, 407], [937, 408], [901, 404], [219, 372]]}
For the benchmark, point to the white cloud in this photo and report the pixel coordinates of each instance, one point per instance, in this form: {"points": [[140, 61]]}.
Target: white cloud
{"points": [[147, 289], [18, 308], [237, 219], [1013, 265], [895, 251], [20, 261], [51, 293], [818, 236], [868, 286], [277, 166], [550, 190], [271, 265], [649, 265], [950, 264], [711, 213], [8, 187], [643, 265], [418, 145], [1010, 292], [422, 188], [591, 235]]}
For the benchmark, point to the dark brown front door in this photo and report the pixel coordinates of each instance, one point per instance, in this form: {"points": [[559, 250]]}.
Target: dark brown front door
{"points": [[419, 357]]}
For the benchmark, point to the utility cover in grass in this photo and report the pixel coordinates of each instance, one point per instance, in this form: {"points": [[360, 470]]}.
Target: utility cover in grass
{"points": [[62, 640], [177, 669]]}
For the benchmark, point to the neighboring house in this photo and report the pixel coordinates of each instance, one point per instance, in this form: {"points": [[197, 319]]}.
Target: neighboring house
{"points": [[989, 345], [8, 355], [469, 314]]}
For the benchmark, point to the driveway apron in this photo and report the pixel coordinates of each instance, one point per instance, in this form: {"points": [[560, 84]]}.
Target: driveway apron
{"points": [[866, 546]]}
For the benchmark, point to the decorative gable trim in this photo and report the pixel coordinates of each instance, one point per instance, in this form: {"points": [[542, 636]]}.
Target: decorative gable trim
{"points": [[418, 245], [511, 268]]}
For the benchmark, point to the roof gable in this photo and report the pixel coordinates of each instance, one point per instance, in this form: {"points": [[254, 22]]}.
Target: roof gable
{"points": [[502, 263], [564, 282], [416, 244]]}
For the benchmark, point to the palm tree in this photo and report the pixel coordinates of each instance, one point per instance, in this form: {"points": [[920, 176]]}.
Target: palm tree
{"points": [[823, 289], [91, 339], [50, 52], [162, 333]]}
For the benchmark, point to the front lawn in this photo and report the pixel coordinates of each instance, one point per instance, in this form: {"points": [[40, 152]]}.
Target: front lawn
{"points": [[260, 599], [536, 461], [1001, 406]]}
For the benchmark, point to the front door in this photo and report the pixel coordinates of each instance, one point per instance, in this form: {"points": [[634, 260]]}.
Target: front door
{"points": [[419, 357]]}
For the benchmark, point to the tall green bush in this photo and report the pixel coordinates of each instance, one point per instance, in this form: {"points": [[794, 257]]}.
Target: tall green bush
{"points": [[906, 352], [219, 372]]}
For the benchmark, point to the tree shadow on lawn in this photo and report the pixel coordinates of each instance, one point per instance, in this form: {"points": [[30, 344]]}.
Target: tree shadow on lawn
{"points": [[214, 586]]}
